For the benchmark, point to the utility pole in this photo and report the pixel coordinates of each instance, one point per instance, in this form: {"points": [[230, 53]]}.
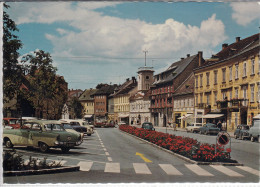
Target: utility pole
{"points": [[145, 51]]}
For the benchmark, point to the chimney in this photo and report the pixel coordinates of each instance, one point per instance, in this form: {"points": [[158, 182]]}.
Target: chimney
{"points": [[127, 79], [200, 57], [188, 55], [224, 46], [182, 58], [237, 39]]}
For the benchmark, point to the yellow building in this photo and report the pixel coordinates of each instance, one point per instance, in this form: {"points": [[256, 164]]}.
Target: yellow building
{"points": [[121, 100], [88, 103], [227, 86]]}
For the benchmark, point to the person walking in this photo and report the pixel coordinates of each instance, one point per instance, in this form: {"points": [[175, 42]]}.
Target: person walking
{"points": [[219, 125]]}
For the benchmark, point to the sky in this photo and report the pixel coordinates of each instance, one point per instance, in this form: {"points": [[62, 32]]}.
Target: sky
{"points": [[104, 42]]}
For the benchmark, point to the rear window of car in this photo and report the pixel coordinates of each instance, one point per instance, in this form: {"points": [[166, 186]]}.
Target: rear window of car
{"points": [[53, 127], [14, 121], [74, 123]]}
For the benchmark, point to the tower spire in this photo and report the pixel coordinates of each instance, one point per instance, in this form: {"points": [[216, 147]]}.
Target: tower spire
{"points": [[145, 51]]}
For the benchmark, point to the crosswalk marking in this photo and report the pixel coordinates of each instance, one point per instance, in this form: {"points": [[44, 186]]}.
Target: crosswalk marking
{"points": [[109, 159], [141, 168], [112, 167], [227, 171], [250, 170], [169, 169], [85, 166], [198, 170]]}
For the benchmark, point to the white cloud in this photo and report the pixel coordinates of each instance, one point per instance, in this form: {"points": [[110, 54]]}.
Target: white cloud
{"points": [[245, 12], [104, 39]]}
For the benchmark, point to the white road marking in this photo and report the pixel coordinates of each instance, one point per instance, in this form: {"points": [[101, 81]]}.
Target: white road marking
{"points": [[169, 169], [227, 171], [198, 170], [141, 168], [112, 168], [107, 153], [109, 159], [85, 166], [105, 149], [250, 170]]}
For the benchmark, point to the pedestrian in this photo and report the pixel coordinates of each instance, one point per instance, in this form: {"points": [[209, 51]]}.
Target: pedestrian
{"points": [[219, 125]]}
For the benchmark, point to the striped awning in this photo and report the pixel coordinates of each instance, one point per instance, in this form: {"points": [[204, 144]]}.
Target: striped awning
{"points": [[212, 115], [257, 116]]}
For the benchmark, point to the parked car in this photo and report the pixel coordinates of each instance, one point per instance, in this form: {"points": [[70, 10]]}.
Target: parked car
{"points": [[12, 122], [254, 131], [69, 128], [241, 132], [148, 126], [193, 127], [90, 130], [42, 134], [99, 124], [209, 128], [122, 123], [110, 124], [76, 126]]}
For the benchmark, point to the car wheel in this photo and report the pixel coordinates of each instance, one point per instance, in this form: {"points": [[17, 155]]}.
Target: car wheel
{"points": [[8, 144], [200, 132], [205, 132], [65, 149], [252, 139], [236, 136], [44, 147], [240, 137]]}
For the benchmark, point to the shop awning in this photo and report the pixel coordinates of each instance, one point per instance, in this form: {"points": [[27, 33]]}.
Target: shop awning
{"points": [[88, 116], [212, 115], [257, 116], [123, 115], [184, 116]]}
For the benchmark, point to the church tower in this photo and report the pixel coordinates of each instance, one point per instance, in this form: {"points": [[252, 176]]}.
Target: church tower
{"points": [[145, 78]]}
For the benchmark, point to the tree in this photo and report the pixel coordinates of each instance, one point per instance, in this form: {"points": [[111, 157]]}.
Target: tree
{"points": [[76, 107], [42, 79], [12, 71]]}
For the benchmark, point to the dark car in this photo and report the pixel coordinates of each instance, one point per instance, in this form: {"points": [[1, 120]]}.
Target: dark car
{"points": [[242, 132], [76, 126], [148, 126], [209, 128]]}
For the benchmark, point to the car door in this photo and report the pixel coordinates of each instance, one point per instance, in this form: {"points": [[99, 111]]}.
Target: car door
{"points": [[23, 134], [35, 134]]}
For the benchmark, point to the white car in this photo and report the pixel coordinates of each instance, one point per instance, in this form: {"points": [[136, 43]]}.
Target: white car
{"points": [[193, 127]]}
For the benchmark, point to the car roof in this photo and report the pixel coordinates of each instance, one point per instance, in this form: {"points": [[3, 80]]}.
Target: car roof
{"points": [[45, 121]]}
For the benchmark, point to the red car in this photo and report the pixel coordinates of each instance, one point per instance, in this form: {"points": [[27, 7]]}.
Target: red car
{"points": [[12, 122]]}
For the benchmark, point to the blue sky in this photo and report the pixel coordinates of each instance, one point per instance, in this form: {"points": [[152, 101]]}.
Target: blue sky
{"points": [[103, 42]]}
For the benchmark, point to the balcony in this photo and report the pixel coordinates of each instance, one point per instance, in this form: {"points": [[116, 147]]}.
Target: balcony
{"points": [[202, 105], [233, 104]]}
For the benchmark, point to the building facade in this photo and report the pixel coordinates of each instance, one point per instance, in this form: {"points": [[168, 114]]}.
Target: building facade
{"points": [[184, 102], [164, 87], [88, 103], [228, 83], [121, 100]]}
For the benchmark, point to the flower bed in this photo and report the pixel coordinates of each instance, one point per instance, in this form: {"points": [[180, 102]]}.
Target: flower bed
{"points": [[185, 146]]}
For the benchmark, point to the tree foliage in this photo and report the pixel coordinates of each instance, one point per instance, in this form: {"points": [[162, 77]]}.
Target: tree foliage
{"points": [[76, 107], [12, 71]]}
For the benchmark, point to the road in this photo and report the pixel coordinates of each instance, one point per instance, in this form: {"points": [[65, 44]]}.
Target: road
{"points": [[111, 156]]}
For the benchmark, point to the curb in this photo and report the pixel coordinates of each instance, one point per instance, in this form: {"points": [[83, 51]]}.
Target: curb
{"points": [[185, 158], [42, 171]]}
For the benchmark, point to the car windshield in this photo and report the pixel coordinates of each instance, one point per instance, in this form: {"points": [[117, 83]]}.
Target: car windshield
{"points": [[14, 121], [74, 123], [54, 127], [211, 125]]}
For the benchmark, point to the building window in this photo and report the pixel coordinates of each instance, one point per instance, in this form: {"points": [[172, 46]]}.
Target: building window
{"points": [[245, 92], [196, 81], [224, 75], [224, 95], [252, 99], [236, 92], [201, 80], [230, 94], [147, 77], [244, 69], [208, 99], [196, 100], [236, 72], [252, 66], [215, 97], [236, 119], [207, 74], [201, 99], [215, 77], [258, 64], [230, 73]]}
